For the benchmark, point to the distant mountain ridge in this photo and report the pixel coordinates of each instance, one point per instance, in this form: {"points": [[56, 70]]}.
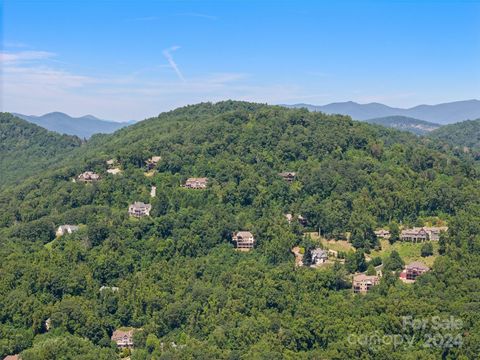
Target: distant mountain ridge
{"points": [[416, 126], [83, 127], [446, 113]]}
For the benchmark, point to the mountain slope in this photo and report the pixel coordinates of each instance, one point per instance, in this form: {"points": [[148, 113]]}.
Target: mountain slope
{"points": [[176, 275], [465, 134], [83, 127], [26, 148], [446, 113], [404, 123]]}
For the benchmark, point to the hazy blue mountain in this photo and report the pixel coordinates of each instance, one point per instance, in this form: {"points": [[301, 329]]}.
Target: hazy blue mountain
{"points": [[83, 127], [416, 126], [446, 113]]}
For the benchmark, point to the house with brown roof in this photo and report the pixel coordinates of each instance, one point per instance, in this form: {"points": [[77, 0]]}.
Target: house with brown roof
{"points": [[123, 338], [414, 235], [139, 209], [434, 232], [243, 240], [196, 183], [88, 177], [152, 162], [12, 357], [288, 176], [363, 283], [413, 270], [66, 229], [420, 234]]}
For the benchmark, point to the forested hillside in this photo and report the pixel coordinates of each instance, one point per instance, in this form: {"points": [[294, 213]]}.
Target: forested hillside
{"points": [[176, 275], [404, 123], [25, 149], [464, 136]]}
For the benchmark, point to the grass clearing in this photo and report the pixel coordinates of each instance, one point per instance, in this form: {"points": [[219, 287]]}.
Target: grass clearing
{"points": [[336, 245], [408, 251]]}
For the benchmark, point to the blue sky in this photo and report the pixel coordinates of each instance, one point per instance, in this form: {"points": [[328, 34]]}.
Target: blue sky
{"points": [[127, 60]]}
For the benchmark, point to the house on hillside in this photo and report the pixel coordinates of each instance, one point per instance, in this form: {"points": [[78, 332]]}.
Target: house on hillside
{"points": [[114, 171], [382, 234], [123, 338], [434, 232], [420, 234], [196, 183], [152, 162], [139, 209], [288, 176], [413, 270], [66, 229], [363, 283], [300, 219], [12, 357], [319, 256], [88, 177], [111, 162], [414, 235], [110, 288], [243, 240]]}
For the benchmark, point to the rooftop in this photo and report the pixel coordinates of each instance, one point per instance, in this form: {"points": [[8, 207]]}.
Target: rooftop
{"points": [[363, 277], [417, 265]]}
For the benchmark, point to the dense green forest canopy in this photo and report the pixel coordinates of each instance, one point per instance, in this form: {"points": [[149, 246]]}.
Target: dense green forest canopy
{"points": [[179, 278], [26, 149], [462, 137]]}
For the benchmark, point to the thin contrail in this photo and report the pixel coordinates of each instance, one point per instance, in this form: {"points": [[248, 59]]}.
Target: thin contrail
{"points": [[168, 55]]}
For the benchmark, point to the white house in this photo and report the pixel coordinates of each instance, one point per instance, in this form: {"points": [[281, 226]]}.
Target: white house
{"points": [[139, 209], [66, 229], [319, 256]]}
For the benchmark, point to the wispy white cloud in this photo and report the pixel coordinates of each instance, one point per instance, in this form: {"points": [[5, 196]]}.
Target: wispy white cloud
{"points": [[15, 57], [41, 85], [45, 77], [168, 55]]}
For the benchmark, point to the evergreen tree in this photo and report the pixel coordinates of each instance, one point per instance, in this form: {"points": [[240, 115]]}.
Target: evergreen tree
{"points": [[394, 262], [371, 270], [442, 244], [427, 249], [394, 233]]}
